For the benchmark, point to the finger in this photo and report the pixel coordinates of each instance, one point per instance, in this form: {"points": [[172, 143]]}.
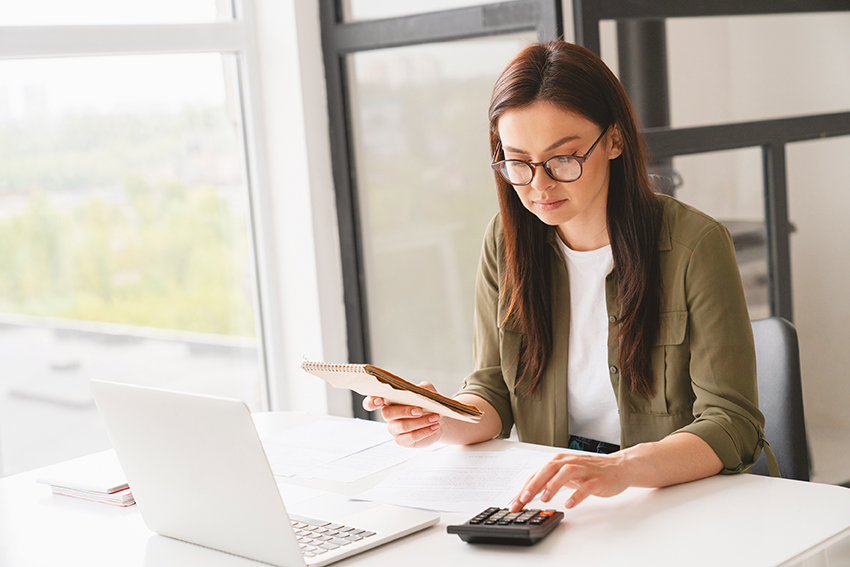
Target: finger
{"points": [[578, 497], [541, 479], [420, 437], [371, 403], [404, 426], [428, 386], [534, 485], [392, 412], [518, 502], [571, 475]]}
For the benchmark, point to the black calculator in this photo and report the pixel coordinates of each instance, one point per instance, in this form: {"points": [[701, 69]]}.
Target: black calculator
{"points": [[500, 525]]}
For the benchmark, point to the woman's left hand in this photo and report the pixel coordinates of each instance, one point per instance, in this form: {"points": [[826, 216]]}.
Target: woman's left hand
{"points": [[590, 474]]}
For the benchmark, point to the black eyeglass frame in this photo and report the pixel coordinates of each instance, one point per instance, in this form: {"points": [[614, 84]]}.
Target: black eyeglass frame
{"points": [[497, 165]]}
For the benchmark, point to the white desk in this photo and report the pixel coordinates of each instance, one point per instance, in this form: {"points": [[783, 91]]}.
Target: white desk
{"points": [[725, 520]]}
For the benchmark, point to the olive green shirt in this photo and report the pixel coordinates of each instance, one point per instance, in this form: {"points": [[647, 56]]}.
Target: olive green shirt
{"points": [[703, 363]]}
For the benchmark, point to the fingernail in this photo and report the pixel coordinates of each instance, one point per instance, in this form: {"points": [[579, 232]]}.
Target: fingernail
{"points": [[433, 418], [416, 412], [546, 495], [378, 403], [571, 503], [435, 427], [526, 496]]}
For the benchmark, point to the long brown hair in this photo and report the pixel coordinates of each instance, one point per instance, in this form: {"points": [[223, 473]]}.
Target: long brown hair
{"points": [[576, 80]]}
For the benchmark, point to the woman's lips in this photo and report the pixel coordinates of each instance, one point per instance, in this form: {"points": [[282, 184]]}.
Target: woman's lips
{"points": [[549, 204]]}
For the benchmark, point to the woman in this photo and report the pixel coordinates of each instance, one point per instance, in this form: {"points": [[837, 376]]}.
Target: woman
{"points": [[607, 318]]}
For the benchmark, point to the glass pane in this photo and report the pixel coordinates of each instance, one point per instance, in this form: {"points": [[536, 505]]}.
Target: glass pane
{"points": [[818, 203], [124, 241], [377, 9], [92, 12], [426, 196], [755, 68], [729, 186]]}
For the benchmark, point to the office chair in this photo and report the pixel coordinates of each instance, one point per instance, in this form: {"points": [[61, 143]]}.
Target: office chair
{"points": [[781, 397]]}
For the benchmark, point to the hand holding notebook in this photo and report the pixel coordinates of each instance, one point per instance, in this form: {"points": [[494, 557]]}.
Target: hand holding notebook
{"points": [[370, 380]]}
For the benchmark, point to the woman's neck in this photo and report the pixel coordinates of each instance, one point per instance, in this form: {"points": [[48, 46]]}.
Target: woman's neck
{"points": [[584, 238]]}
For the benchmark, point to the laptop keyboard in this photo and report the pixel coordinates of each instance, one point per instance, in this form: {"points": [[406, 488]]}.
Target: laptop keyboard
{"points": [[316, 537]]}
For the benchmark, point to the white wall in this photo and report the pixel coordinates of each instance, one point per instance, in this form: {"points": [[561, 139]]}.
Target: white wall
{"points": [[303, 206]]}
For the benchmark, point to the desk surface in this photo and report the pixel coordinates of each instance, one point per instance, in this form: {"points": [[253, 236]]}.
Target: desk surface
{"points": [[724, 520]]}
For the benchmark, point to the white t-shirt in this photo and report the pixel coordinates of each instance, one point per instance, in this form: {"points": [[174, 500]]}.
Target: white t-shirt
{"points": [[592, 405]]}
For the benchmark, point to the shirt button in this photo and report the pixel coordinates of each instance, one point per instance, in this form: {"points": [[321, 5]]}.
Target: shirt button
{"points": [[613, 369], [612, 319]]}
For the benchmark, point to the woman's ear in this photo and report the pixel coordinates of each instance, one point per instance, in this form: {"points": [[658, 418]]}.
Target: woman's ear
{"points": [[615, 149]]}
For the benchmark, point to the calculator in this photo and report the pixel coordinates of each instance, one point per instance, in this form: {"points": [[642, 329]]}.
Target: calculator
{"points": [[500, 525]]}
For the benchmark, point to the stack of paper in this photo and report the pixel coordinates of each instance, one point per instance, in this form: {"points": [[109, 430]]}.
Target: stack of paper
{"points": [[97, 478], [121, 497]]}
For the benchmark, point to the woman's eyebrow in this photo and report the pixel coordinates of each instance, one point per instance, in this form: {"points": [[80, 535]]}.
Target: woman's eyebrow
{"points": [[560, 142]]}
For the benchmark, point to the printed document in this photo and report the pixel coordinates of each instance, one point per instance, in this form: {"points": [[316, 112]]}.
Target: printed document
{"points": [[342, 452], [459, 480]]}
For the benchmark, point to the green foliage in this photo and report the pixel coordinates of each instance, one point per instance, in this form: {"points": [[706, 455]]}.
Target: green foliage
{"points": [[88, 230]]}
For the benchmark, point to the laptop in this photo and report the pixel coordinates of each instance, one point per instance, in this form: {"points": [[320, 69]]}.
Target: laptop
{"points": [[199, 474]]}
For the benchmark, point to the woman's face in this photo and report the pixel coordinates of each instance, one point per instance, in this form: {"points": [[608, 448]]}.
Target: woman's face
{"points": [[542, 130]]}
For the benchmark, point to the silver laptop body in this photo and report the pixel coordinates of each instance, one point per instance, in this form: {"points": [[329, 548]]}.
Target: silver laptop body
{"points": [[198, 472]]}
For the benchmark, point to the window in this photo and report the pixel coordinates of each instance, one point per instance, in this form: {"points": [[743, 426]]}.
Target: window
{"points": [[127, 215]]}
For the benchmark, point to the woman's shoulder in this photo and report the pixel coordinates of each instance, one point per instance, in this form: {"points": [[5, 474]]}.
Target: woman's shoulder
{"points": [[494, 234], [684, 224]]}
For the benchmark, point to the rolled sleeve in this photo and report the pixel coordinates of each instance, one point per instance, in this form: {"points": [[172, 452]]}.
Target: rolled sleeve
{"points": [[722, 363]]}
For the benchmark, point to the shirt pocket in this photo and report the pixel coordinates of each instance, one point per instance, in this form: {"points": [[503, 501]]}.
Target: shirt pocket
{"points": [[510, 342], [670, 361]]}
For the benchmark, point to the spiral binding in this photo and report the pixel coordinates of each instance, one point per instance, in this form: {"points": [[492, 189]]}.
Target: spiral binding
{"points": [[310, 366]]}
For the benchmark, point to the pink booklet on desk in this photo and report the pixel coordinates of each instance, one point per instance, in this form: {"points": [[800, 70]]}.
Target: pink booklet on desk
{"points": [[370, 380]]}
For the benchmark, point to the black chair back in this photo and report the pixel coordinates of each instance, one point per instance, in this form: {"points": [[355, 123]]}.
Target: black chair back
{"points": [[781, 397]]}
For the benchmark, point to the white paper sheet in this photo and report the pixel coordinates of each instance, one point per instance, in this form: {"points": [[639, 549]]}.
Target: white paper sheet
{"points": [[358, 465], [294, 451], [459, 480]]}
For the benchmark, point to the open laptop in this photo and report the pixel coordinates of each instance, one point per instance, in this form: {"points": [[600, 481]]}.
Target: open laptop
{"points": [[199, 474]]}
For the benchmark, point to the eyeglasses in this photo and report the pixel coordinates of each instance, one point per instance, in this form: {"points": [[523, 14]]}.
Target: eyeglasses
{"points": [[565, 169]]}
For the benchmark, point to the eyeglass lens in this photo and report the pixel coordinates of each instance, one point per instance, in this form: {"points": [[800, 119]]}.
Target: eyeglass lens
{"points": [[560, 168]]}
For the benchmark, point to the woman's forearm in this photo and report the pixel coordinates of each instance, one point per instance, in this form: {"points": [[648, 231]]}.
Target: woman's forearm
{"points": [[464, 433], [678, 458]]}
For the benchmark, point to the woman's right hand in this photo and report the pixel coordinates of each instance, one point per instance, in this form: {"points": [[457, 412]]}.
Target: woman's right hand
{"points": [[410, 426]]}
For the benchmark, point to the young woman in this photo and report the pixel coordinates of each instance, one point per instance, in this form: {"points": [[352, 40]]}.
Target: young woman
{"points": [[608, 318]]}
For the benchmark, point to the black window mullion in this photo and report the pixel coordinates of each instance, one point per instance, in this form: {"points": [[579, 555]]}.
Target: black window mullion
{"points": [[658, 9], [348, 217], [778, 231], [461, 23], [666, 142]]}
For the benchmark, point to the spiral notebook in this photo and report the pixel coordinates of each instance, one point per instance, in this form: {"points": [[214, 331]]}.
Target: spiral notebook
{"points": [[370, 380]]}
